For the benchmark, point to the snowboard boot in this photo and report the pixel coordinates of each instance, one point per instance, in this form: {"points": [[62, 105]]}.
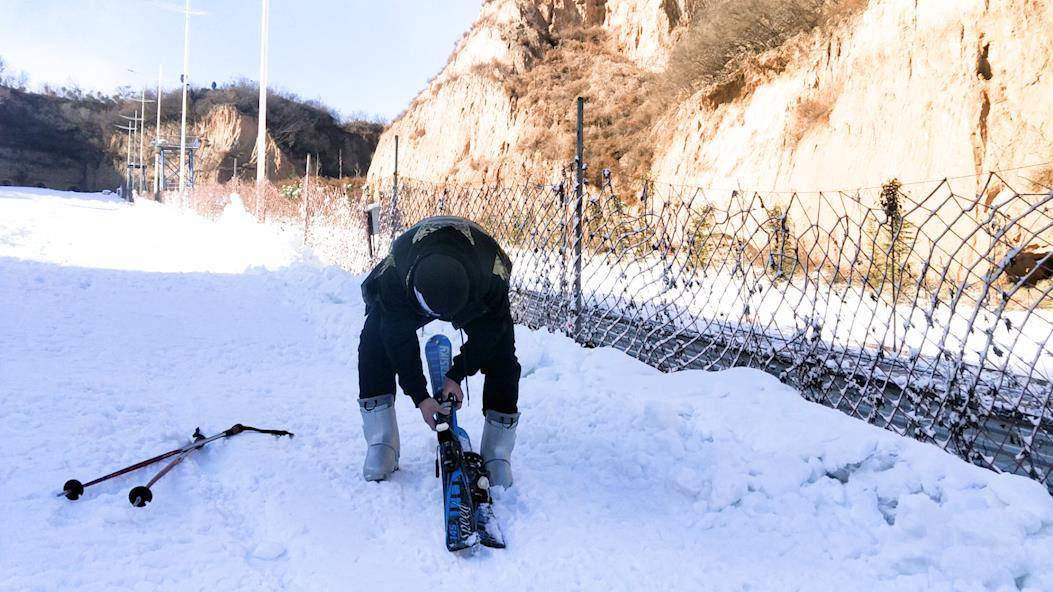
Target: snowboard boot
{"points": [[382, 437], [499, 438]]}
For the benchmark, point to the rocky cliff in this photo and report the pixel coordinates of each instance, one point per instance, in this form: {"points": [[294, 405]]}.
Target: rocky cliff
{"points": [[228, 139], [915, 90], [51, 142], [502, 105]]}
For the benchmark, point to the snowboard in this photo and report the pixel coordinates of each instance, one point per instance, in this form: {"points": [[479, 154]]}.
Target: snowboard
{"points": [[467, 506]]}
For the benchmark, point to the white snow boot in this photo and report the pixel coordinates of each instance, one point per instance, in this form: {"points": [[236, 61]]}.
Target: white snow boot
{"points": [[499, 438], [382, 437]]}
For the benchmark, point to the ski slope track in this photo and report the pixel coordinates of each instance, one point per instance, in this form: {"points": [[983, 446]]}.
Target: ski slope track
{"points": [[123, 327]]}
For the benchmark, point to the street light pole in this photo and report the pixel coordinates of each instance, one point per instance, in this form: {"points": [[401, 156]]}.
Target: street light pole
{"points": [[157, 140], [142, 138], [185, 81], [261, 131]]}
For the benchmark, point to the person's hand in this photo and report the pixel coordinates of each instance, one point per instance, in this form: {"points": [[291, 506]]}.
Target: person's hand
{"points": [[452, 390], [428, 408]]}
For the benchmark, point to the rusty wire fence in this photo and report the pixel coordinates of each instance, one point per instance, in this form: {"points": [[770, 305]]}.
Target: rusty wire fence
{"points": [[925, 310]]}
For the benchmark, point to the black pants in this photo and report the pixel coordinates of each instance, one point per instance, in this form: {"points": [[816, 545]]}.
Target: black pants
{"points": [[376, 374]]}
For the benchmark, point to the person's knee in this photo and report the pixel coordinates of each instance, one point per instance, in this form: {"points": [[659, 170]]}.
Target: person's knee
{"points": [[505, 369], [501, 391], [507, 405]]}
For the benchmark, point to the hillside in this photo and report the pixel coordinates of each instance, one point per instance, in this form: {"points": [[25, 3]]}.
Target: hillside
{"points": [[67, 139], [761, 94], [57, 142]]}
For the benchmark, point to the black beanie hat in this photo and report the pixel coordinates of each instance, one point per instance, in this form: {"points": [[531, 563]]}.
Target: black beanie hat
{"points": [[443, 283]]}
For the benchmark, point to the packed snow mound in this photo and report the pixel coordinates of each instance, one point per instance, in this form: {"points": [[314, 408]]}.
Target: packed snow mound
{"points": [[127, 326], [104, 231]]}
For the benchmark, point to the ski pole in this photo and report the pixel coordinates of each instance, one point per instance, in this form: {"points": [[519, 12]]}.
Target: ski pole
{"points": [[73, 488], [141, 495]]}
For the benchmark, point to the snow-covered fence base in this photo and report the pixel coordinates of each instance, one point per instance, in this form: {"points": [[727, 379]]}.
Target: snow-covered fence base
{"points": [[924, 311], [330, 215], [927, 313]]}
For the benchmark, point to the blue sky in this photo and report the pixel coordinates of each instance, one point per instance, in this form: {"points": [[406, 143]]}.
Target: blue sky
{"points": [[353, 55]]}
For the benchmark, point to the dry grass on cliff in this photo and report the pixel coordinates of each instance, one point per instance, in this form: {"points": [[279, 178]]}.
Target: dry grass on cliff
{"points": [[620, 111], [810, 113], [1043, 180], [727, 37]]}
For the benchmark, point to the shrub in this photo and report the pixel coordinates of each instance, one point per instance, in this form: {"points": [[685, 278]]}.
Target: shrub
{"points": [[891, 242], [725, 35], [700, 237], [782, 258]]}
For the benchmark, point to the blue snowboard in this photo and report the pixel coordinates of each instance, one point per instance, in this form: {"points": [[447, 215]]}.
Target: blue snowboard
{"points": [[467, 506]]}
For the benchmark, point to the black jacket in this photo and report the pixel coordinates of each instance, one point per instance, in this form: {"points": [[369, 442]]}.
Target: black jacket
{"points": [[387, 291]]}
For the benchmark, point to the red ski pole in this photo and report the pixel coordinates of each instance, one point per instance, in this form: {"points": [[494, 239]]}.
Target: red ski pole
{"points": [[141, 495], [73, 488]]}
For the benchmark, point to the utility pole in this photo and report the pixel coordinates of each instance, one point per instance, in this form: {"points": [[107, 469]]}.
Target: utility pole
{"points": [[133, 131], [142, 117], [393, 218], [128, 159], [139, 124], [157, 140], [306, 192], [261, 131], [142, 138], [139, 135], [185, 80], [340, 166], [131, 140]]}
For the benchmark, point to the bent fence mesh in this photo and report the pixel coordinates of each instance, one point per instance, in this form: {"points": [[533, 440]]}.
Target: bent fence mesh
{"points": [[927, 313]]}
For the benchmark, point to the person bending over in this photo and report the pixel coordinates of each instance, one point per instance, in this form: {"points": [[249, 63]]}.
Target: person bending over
{"points": [[445, 268]]}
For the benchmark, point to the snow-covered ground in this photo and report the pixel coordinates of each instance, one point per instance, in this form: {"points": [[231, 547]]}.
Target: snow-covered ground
{"points": [[123, 327]]}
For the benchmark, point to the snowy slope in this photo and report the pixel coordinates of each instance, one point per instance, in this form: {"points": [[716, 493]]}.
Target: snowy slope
{"points": [[124, 327]]}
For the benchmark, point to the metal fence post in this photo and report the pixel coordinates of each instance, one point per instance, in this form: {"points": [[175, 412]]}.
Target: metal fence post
{"points": [[306, 193], [561, 192], [579, 210], [372, 226], [393, 217]]}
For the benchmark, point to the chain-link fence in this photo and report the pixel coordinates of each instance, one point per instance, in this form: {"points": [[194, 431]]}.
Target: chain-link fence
{"points": [[922, 309], [928, 314]]}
